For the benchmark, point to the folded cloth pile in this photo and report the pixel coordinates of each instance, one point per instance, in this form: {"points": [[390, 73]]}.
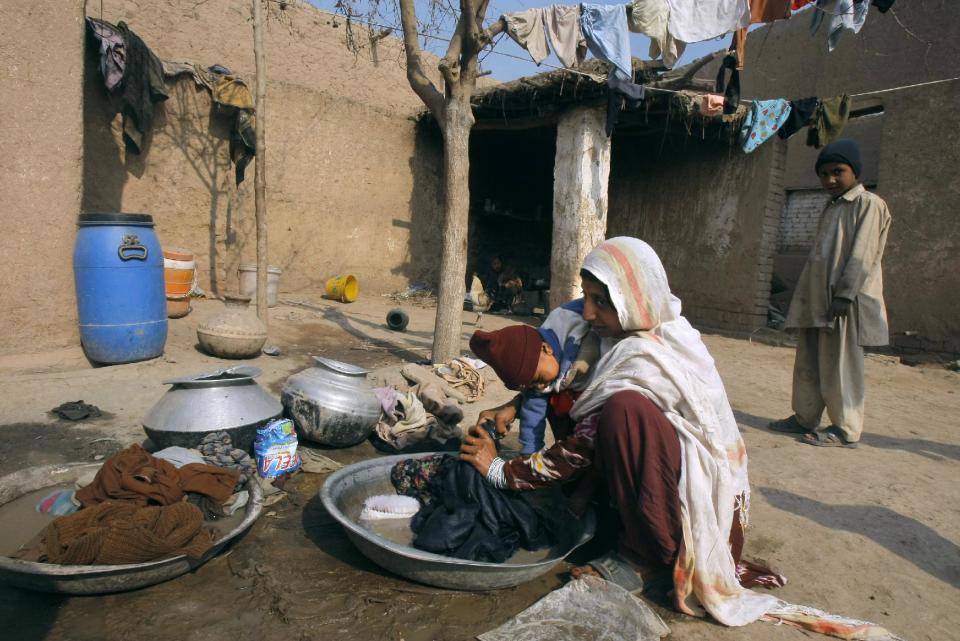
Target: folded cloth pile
{"points": [[422, 419], [217, 449]]}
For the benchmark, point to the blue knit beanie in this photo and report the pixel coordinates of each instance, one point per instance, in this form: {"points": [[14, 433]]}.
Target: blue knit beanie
{"points": [[842, 150]]}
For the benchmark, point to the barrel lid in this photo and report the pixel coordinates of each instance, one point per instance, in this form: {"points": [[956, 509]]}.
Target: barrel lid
{"points": [[112, 218]]}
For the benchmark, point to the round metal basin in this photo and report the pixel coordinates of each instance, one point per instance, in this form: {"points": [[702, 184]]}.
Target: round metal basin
{"points": [[343, 494], [100, 579]]}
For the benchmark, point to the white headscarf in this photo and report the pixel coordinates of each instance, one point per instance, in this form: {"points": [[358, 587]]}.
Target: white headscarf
{"points": [[664, 358]]}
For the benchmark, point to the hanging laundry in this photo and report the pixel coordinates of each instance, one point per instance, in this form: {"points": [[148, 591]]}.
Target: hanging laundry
{"points": [[605, 28], [761, 12], [763, 120], [711, 105], [844, 14], [652, 18], [526, 28], [883, 5], [621, 93], [562, 24], [112, 51], [705, 19], [232, 96], [141, 87], [730, 88], [829, 120], [799, 4], [801, 115], [467, 518]]}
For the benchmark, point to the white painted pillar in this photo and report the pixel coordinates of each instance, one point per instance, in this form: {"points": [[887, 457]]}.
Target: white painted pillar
{"points": [[581, 173]]}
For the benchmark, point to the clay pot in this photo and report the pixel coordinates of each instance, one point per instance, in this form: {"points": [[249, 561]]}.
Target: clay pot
{"points": [[234, 333], [178, 307], [332, 403]]}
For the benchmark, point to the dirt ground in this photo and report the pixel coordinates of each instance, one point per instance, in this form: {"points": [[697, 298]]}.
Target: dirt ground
{"points": [[872, 533]]}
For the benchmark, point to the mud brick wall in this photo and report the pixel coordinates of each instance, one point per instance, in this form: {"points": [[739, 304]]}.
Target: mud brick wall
{"points": [[711, 212]]}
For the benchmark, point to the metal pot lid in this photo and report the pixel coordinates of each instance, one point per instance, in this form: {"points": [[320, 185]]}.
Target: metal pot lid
{"points": [[340, 367], [218, 377]]}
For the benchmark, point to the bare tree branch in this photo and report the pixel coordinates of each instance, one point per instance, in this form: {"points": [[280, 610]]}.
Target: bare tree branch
{"points": [[419, 81], [493, 31], [680, 79]]}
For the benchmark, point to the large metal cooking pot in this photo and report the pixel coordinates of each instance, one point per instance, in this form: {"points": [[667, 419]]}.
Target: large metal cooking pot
{"points": [[332, 403], [224, 399]]}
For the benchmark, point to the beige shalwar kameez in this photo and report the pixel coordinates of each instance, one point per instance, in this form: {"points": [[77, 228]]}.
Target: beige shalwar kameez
{"points": [[844, 262]]}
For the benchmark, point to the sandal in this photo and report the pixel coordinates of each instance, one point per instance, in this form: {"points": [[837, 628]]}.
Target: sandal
{"points": [[829, 437], [788, 426], [616, 569]]}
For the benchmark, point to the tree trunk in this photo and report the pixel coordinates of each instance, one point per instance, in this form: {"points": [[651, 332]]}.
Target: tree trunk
{"points": [[457, 122], [260, 176]]}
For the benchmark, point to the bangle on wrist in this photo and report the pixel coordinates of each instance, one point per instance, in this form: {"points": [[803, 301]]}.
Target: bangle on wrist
{"points": [[495, 474]]}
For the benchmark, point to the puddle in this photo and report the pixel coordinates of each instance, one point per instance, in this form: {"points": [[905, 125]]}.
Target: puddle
{"points": [[29, 444]]}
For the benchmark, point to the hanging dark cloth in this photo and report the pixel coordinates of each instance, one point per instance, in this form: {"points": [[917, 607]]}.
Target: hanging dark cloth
{"points": [[730, 89], [883, 5], [142, 86], [233, 98], [467, 518], [801, 115], [621, 93], [828, 120]]}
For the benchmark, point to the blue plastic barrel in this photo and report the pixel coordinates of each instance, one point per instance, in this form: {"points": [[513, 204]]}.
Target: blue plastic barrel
{"points": [[118, 269]]}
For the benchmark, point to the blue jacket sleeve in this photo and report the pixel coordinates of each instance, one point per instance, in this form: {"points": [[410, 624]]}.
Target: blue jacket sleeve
{"points": [[533, 422]]}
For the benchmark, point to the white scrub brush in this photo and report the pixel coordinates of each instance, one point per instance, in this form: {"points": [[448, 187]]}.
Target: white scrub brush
{"points": [[389, 506]]}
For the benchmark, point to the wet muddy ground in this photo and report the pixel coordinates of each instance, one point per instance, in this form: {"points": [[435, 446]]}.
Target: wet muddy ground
{"points": [[295, 575], [872, 533]]}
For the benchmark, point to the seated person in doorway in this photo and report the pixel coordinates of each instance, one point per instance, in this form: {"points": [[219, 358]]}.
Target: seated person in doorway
{"points": [[837, 306], [549, 366], [502, 283]]}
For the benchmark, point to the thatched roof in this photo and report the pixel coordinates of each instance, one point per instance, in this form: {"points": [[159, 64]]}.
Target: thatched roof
{"points": [[540, 99]]}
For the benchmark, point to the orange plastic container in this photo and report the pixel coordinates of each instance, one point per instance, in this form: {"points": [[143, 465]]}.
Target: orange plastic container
{"points": [[179, 272]]}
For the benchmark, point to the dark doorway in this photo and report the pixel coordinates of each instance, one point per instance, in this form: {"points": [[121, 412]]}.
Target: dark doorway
{"points": [[511, 201]]}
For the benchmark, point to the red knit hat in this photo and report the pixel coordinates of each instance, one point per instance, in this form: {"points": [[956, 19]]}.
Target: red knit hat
{"points": [[513, 352]]}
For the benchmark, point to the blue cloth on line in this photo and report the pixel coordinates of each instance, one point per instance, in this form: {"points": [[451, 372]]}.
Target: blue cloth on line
{"points": [[605, 28], [763, 120]]}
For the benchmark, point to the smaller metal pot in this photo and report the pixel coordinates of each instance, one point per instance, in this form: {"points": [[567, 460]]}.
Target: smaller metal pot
{"points": [[332, 403]]}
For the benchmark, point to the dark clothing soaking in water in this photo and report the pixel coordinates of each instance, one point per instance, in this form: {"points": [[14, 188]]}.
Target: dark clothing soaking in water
{"points": [[468, 518]]}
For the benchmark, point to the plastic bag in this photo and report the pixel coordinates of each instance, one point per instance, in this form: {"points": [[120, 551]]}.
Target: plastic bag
{"points": [[275, 449], [587, 609]]}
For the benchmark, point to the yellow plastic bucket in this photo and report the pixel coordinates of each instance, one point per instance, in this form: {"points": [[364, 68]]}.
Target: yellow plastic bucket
{"points": [[343, 288]]}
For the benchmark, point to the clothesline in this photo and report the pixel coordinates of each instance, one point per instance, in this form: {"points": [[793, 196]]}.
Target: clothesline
{"points": [[853, 95], [600, 78], [498, 53]]}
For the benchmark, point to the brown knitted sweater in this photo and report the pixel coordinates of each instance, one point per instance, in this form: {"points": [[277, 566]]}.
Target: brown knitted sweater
{"points": [[116, 532]]}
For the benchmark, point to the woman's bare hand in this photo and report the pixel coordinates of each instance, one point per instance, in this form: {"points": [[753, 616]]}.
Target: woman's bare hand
{"points": [[478, 449]]}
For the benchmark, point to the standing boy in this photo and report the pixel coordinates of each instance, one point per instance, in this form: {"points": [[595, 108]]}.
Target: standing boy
{"points": [[838, 306]]}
